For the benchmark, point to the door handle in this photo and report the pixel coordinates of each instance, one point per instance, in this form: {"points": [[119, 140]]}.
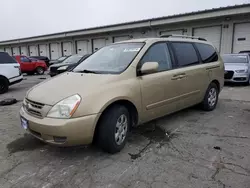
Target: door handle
{"points": [[182, 76], [175, 77]]}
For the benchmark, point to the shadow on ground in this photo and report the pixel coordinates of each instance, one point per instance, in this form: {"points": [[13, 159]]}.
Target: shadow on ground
{"points": [[25, 143]]}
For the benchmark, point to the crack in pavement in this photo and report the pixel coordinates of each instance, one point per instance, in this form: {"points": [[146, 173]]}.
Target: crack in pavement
{"points": [[216, 135]]}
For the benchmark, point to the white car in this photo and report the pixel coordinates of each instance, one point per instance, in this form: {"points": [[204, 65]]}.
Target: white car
{"points": [[10, 72]]}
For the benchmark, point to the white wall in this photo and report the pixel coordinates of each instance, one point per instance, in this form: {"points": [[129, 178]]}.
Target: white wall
{"points": [[226, 43]]}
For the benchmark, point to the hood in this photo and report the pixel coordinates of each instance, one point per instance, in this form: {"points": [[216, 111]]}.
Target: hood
{"points": [[60, 87], [236, 66], [61, 64]]}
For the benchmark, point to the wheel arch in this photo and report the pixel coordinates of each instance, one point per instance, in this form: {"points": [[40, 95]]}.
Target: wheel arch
{"points": [[133, 112], [4, 77], [217, 84]]}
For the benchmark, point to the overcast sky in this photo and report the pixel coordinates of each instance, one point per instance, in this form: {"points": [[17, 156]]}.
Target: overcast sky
{"points": [[25, 18]]}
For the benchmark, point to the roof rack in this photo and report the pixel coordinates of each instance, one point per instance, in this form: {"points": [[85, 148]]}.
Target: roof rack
{"points": [[183, 36]]}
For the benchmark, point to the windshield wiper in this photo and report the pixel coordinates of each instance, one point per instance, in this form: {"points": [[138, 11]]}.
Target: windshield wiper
{"points": [[86, 71]]}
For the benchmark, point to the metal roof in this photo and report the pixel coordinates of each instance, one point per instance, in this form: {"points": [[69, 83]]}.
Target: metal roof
{"points": [[137, 24]]}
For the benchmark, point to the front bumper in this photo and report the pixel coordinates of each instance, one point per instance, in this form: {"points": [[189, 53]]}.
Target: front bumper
{"points": [[236, 77], [62, 132]]}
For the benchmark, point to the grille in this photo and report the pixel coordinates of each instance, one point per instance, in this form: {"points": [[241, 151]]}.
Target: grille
{"points": [[35, 104], [33, 108], [229, 75], [53, 69]]}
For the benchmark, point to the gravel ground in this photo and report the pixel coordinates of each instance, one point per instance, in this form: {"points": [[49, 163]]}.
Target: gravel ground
{"points": [[201, 149]]}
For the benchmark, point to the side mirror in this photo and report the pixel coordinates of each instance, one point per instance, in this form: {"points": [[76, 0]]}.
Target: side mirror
{"points": [[149, 67]]}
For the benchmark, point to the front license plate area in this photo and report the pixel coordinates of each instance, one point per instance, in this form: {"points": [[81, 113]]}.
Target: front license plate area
{"points": [[24, 123]]}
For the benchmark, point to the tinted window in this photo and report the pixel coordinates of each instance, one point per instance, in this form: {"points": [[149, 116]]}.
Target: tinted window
{"points": [[185, 54], [24, 59], [6, 58], [207, 53], [158, 53]]}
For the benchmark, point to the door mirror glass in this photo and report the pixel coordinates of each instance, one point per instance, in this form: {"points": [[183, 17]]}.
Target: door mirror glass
{"points": [[149, 67]]}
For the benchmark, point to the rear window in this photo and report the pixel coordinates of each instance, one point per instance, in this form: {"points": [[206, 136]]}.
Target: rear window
{"points": [[207, 53], [185, 54], [6, 58]]}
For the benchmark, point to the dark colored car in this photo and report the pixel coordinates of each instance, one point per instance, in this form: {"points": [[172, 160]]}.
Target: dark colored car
{"points": [[59, 60], [245, 52], [67, 65], [43, 58]]}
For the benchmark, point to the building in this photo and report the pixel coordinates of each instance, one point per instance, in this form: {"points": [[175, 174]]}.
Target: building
{"points": [[228, 28]]}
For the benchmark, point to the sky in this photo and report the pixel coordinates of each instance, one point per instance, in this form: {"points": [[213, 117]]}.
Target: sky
{"points": [[26, 18]]}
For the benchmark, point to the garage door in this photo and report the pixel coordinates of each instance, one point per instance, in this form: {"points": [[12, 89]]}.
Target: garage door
{"points": [[241, 37], [172, 32], [54, 51], [82, 47], [98, 43], [121, 38], [24, 50], [43, 50], [33, 50], [8, 50], [67, 48], [211, 34], [15, 51]]}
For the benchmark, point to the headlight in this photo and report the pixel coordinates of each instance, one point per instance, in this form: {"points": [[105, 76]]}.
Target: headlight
{"points": [[65, 108], [242, 71], [63, 67]]}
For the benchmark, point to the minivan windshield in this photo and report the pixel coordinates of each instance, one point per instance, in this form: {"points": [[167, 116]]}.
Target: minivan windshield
{"points": [[112, 59], [73, 59], [228, 58]]}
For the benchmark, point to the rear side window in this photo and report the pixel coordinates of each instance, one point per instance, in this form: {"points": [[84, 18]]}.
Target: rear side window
{"points": [[207, 53], [24, 59], [158, 53], [6, 58], [185, 54]]}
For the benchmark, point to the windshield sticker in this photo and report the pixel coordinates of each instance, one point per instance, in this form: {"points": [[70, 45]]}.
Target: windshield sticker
{"points": [[132, 50]]}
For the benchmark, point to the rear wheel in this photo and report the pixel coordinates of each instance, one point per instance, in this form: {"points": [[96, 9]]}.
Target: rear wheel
{"points": [[4, 85], [113, 129], [40, 70], [211, 98]]}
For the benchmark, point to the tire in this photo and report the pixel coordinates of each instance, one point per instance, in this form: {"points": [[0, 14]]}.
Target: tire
{"points": [[4, 85], [210, 100], [40, 70], [109, 137], [30, 73]]}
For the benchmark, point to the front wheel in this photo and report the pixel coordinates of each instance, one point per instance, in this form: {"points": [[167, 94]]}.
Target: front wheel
{"points": [[113, 128], [40, 70], [211, 98], [4, 85]]}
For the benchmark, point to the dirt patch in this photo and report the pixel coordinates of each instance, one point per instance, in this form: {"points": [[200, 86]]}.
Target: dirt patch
{"points": [[155, 134], [9, 101]]}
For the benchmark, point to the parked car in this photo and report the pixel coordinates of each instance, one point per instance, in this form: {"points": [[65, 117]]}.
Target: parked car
{"points": [[237, 68], [245, 52], [120, 86], [66, 65], [31, 66], [43, 58], [10, 72], [59, 60]]}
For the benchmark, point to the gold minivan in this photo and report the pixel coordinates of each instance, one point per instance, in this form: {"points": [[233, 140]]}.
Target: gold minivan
{"points": [[120, 86]]}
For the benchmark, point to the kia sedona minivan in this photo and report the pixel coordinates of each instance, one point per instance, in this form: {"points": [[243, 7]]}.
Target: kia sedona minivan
{"points": [[120, 86]]}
